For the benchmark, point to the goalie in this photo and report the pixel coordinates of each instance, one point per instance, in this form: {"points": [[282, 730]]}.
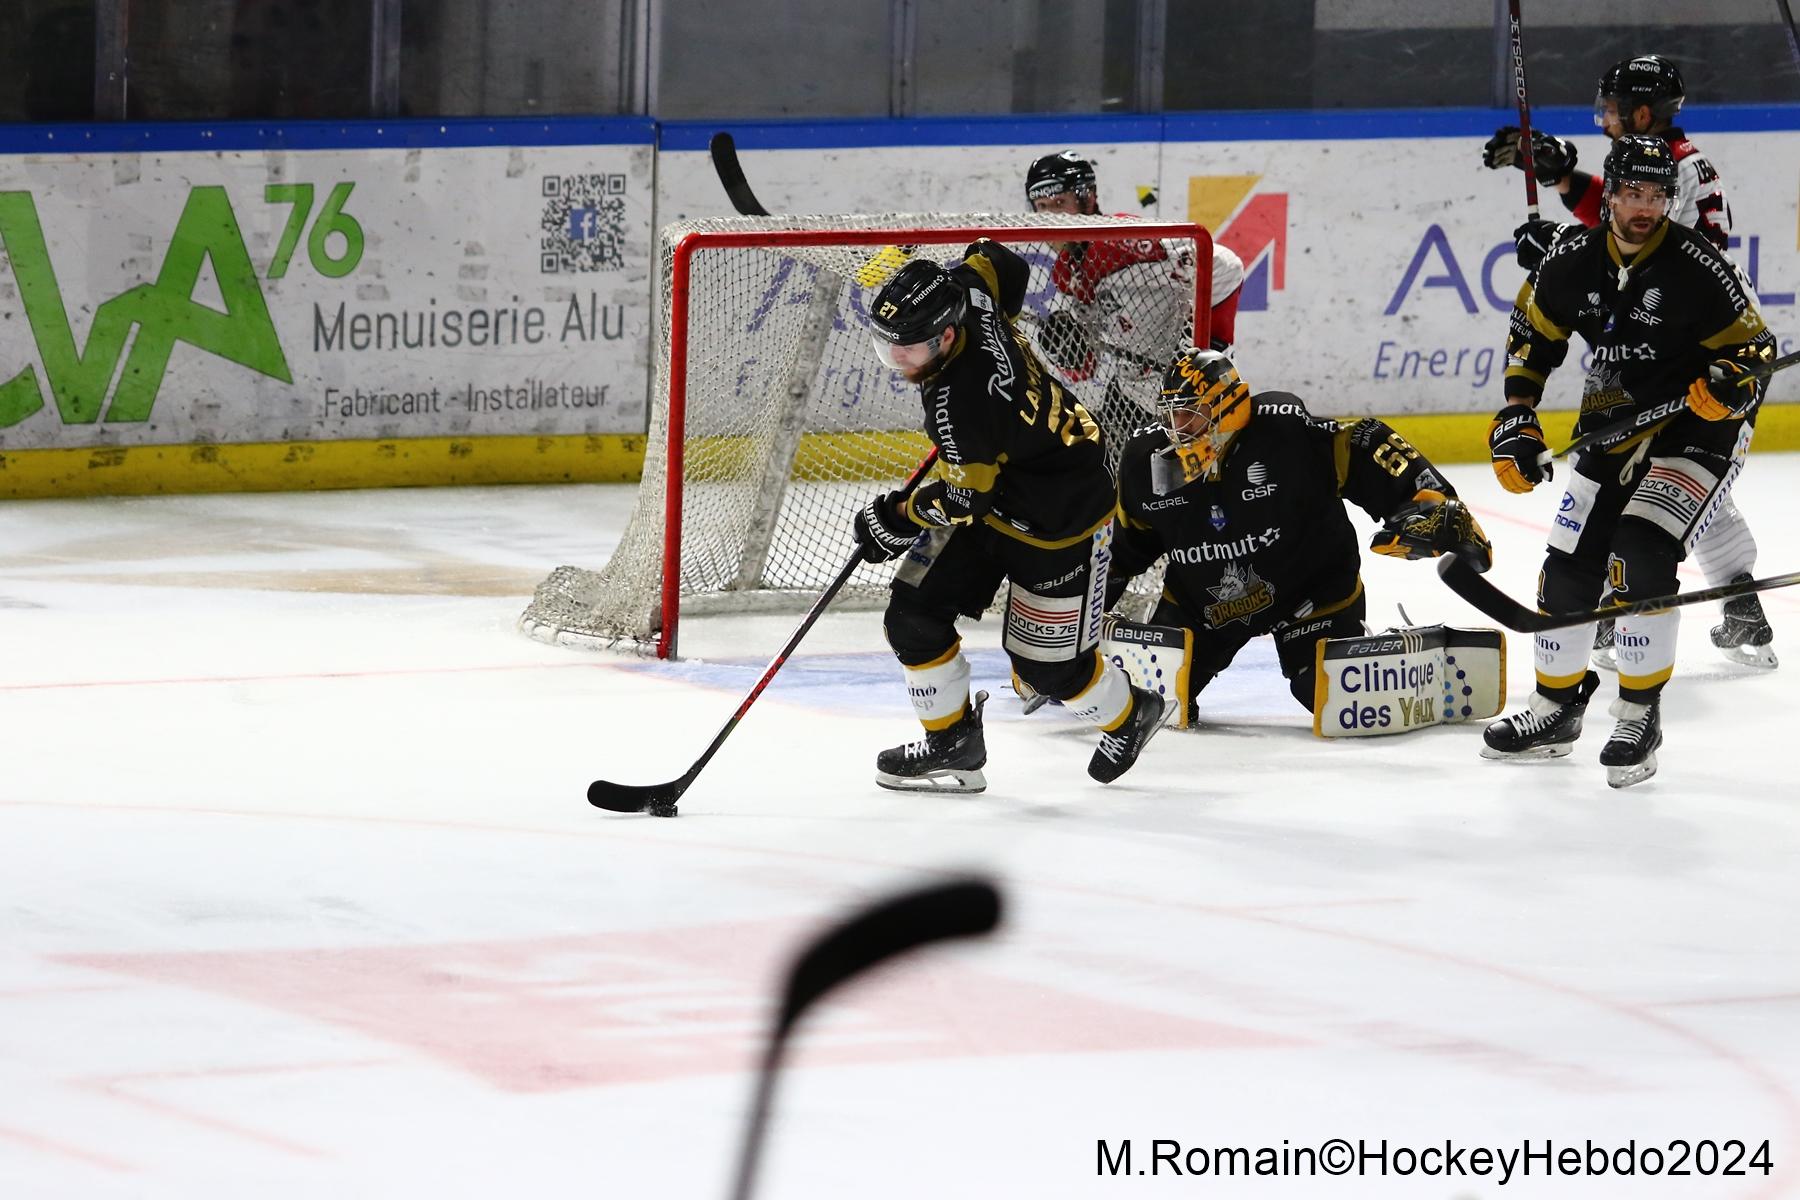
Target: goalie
{"points": [[1245, 495]]}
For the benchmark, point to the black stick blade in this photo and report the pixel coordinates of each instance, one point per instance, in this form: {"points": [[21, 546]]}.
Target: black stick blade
{"points": [[731, 176], [962, 908], [1488, 599], [657, 799]]}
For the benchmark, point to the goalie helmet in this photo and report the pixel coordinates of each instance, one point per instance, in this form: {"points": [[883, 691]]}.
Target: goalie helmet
{"points": [[1647, 79], [1203, 405], [913, 309], [1054, 174]]}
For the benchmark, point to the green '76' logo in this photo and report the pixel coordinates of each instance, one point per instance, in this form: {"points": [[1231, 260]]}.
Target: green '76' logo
{"points": [[163, 312]]}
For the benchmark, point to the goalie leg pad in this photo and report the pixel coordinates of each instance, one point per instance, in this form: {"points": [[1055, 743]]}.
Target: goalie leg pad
{"points": [[1407, 679], [1156, 658]]}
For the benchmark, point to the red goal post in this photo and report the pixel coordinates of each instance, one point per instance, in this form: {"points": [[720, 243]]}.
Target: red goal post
{"points": [[771, 419]]}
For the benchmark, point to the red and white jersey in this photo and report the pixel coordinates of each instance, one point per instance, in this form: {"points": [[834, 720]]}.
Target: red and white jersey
{"points": [[1699, 193], [1131, 299]]}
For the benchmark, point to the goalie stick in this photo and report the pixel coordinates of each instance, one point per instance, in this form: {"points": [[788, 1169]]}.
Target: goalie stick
{"points": [[660, 799], [731, 175], [934, 913], [1494, 603], [1608, 436]]}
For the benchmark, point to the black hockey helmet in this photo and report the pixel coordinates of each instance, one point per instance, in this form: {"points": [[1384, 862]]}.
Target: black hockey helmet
{"points": [[917, 303], [1640, 158], [1647, 79], [1053, 174]]}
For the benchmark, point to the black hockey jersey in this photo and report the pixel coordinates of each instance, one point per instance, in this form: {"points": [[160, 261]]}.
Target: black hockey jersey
{"points": [[1269, 540], [1016, 451], [1653, 324]]}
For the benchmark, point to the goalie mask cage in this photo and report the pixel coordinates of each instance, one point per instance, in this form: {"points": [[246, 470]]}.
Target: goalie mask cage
{"points": [[772, 421]]}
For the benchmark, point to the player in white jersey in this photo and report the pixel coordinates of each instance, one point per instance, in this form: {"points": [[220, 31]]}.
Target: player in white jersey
{"points": [[1642, 95], [1121, 308]]}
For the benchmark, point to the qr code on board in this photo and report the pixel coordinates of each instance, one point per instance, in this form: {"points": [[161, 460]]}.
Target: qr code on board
{"points": [[584, 223]]}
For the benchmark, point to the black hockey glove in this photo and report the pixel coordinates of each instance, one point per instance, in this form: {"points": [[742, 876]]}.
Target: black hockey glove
{"points": [[1553, 158], [1515, 441], [1730, 389], [882, 531], [1432, 524], [1533, 239], [1066, 345]]}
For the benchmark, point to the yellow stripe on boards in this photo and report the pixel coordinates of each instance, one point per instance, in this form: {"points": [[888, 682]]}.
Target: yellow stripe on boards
{"points": [[874, 456]]}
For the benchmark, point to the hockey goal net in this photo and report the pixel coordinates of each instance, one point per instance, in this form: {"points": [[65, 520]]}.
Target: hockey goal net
{"points": [[772, 421]]}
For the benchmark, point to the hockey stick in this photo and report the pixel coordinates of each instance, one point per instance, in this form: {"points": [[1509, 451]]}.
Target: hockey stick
{"points": [[1608, 436], [659, 799], [731, 175], [1493, 602], [1793, 36], [1525, 148], [963, 908]]}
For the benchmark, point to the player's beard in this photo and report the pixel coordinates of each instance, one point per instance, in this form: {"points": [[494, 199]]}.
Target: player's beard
{"points": [[1636, 229], [922, 374]]}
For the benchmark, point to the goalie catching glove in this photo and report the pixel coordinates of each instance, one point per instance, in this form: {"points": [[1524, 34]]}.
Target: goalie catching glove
{"points": [[1730, 389], [1553, 157], [1434, 524], [1516, 443], [883, 532]]}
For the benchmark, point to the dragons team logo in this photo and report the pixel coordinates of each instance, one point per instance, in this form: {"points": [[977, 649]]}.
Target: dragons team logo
{"points": [[1602, 391], [1241, 594]]}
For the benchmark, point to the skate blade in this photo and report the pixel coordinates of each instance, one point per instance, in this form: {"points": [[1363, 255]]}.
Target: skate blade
{"points": [[1624, 777], [1555, 750], [954, 782], [1751, 656]]}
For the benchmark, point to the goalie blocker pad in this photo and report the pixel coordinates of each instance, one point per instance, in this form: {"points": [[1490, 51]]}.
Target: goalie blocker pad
{"points": [[1407, 679]]}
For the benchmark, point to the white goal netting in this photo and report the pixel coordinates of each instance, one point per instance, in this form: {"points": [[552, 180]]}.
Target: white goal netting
{"points": [[772, 421]]}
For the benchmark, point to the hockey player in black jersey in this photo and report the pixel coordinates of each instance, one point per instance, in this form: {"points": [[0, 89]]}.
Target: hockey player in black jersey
{"points": [[1637, 96], [1022, 495], [1665, 313], [1245, 495]]}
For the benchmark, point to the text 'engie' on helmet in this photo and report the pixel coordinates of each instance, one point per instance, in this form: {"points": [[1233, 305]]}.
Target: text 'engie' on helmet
{"points": [[1054, 174], [1640, 158], [917, 304], [1647, 79]]}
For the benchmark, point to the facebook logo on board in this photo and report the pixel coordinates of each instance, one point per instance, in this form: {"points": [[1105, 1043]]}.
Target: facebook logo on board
{"points": [[583, 223]]}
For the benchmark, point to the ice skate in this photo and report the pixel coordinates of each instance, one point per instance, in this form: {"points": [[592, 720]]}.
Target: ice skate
{"points": [[1120, 748], [1744, 635], [1545, 728], [1605, 656], [944, 760], [1629, 756], [1030, 699]]}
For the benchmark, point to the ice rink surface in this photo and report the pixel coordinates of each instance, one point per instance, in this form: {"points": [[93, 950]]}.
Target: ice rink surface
{"points": [[300, 896]]}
